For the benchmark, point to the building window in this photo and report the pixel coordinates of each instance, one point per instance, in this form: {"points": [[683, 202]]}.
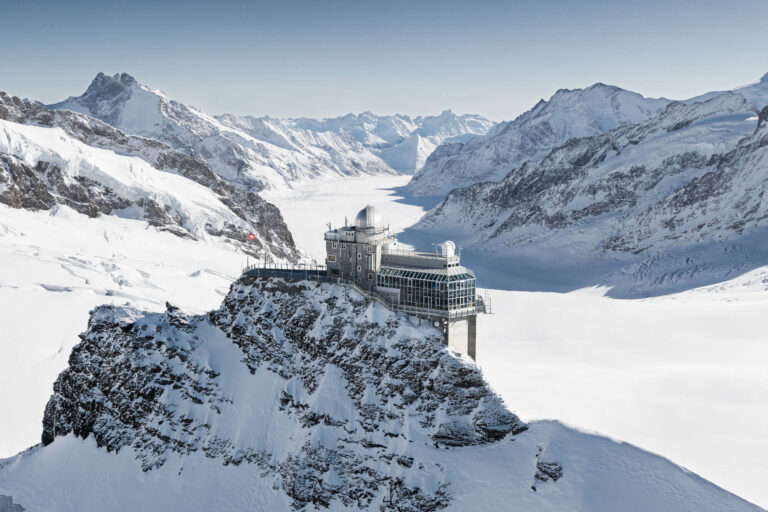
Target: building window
{"points": [[370, 276], [335, 245], [343, 245], [358, 268], [331, 257], [369, 248], [359, 255]]}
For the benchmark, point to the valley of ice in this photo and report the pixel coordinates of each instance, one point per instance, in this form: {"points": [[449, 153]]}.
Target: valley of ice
{"points": [[681, 375]]}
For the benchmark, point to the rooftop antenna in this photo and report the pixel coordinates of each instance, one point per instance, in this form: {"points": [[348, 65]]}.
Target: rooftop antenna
{"points": [[329, 226], [345, 222]]}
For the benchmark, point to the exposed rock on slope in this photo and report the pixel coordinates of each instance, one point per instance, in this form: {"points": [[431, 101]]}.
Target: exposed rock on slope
{"points": [[233, 154], [401, 141], [568, 114], [266, 152], [306, 396], [691, 175], [41, 166], [258, 152], [351, 384]]}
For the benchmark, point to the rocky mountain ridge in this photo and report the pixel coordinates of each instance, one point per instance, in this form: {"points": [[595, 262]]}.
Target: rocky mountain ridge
{"points": [[41, 167], [688, 176], [266, 152], [567, 114]]}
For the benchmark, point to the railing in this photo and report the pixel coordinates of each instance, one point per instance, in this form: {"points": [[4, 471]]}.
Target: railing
{"points": [[319, 273]]}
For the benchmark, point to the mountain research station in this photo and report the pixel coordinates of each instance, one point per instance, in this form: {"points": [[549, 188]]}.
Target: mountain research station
{"points": [[430, 286]]}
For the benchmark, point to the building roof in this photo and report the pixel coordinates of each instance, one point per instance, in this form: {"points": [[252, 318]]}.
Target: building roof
{"points": [[369, 217], [435, 274]]}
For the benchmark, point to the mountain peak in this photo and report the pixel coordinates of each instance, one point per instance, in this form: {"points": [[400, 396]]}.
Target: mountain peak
{"points": [[104, 82]]}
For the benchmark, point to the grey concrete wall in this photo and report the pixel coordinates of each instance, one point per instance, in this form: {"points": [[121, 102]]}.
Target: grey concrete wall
{"points": [[472, 341]]}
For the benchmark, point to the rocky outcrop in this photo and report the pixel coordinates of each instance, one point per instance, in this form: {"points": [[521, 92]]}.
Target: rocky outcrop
{"points": [[44, 186], [346, 388], [7, 505]]}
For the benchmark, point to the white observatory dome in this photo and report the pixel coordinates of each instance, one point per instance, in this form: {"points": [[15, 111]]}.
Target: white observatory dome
{"points": [[369, 217], [448, 249]]}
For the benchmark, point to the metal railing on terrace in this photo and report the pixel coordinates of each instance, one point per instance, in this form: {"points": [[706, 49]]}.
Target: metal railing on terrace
{"points": [[319, 273]]}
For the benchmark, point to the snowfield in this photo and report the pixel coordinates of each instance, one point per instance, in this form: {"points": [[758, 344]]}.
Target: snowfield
{"points": [[56, 266], [682, 375]]}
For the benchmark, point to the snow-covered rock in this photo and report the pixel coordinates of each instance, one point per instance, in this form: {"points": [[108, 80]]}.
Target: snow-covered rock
{"points": [[266, 152], [306, 396], [692, 175], [567, 114], [401, 141], [233, 153], [50, 157]]}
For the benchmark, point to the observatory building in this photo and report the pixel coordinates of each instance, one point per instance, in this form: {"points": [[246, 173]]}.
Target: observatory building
{"points": [[433, 286]]}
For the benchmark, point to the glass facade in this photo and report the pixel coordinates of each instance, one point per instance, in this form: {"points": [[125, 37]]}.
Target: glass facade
{"points": [[430, 290]]}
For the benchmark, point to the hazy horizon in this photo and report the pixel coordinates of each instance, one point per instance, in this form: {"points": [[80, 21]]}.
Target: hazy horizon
{"points": [[321, 59]]}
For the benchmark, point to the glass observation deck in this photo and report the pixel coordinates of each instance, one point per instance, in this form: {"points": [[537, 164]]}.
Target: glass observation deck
{"points": [[429, 289]]}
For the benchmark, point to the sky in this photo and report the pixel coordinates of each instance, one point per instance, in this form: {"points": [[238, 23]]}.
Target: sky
{"points": [[320, 59]]}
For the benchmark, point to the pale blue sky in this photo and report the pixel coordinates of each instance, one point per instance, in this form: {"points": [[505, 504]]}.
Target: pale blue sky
{"points": [[290, 58]]}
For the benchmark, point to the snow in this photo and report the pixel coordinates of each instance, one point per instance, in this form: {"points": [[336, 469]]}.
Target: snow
{"points": [[56, 266], [130, 177], [549, 124], [603, 475], [274, 153], [679, 375], [682, 375]]}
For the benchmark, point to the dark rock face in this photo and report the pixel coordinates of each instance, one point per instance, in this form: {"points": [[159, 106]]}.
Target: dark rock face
{"points": [[145, 381], [7, 505], [44, 186]]}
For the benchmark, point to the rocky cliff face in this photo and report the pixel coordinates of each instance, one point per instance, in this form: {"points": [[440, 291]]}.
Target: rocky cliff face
{"points": [[350, 384], [567, 114], [305, 396], [37, 172]]}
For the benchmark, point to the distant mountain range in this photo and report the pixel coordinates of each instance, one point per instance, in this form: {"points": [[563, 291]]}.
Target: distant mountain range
{"points": [[651, 194], [263, 152], [568, 114], [124, 149]]}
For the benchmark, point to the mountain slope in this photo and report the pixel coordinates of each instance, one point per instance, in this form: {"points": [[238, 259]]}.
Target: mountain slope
{"points": [[401, 141], [655, 186], [266, 152], [233, 154], [50, 157], [567, 114], [305, 396]]}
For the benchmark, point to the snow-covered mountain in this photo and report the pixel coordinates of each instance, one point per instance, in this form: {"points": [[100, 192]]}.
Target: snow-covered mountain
{"points": [[567, 114], [233, 153], [756, 92], [266, 152], [692, 175], [401, 141], [50, 158], [306, 396]]}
